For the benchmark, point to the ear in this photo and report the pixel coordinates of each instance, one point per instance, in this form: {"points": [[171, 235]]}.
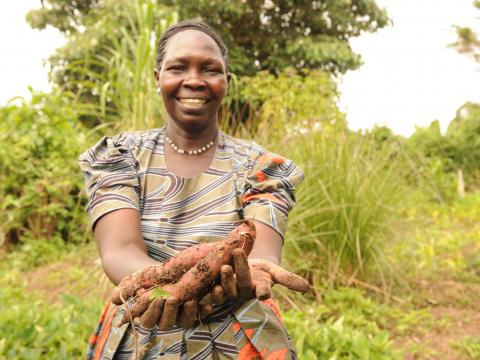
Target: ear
{"points": [[229, 77], [156, 73]]}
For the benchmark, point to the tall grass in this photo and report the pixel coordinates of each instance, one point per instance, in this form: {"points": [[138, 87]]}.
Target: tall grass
{"points": [[121, 77], [347, 207]]}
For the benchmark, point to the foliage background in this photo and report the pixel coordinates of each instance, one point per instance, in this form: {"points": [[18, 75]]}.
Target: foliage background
{"points": [[378, 215]]}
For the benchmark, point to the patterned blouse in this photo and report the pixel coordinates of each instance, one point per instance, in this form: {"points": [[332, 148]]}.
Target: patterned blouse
{"points": [[243, 181]]}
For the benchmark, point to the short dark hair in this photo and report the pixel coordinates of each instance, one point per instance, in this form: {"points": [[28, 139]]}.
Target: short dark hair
{"points": [[189, 25]]}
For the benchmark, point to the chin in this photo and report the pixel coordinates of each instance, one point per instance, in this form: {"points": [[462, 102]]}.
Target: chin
{"points": [[194, 121]]}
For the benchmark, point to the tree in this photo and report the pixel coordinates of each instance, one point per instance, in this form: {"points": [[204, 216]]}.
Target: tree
{"points": [[262, 35], [463, 141], [105, 58], [468, 41], [67, 16], [275, 34], [463, 133]]}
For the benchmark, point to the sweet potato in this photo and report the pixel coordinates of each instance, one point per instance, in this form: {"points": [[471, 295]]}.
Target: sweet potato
{"points": [[192, 284], [280, 276], [172, 270], [198, 281], [165, 273]]}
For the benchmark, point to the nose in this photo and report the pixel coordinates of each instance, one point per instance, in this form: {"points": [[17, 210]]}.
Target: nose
{"points": [[194, 80]]}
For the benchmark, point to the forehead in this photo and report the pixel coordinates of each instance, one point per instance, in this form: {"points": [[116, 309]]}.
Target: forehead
{"points": [[192, 43]]}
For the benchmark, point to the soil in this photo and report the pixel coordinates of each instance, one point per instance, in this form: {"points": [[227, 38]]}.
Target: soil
{"points": [[455, 314], [454, 305], [80, 278]]}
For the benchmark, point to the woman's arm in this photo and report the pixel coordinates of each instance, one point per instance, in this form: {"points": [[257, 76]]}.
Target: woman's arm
{"points": [[120, 244], [268, 244]]}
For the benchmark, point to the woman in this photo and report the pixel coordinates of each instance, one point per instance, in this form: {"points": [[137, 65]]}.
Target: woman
{"points": [[157, 192]]}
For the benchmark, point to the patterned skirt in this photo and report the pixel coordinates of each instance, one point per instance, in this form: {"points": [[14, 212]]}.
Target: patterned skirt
{"points": [[252, 330]]}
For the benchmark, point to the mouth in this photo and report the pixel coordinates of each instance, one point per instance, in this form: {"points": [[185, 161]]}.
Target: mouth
{"points": [[193, 101]]}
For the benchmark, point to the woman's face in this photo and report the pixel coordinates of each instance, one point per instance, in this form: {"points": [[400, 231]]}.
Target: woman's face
{"points": [[192, 78]]}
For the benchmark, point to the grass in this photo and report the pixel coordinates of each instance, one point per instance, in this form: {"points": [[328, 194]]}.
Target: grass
{"points": [[347, 325], [50, 307], [121, 77], [437, 256], [439, 312], [347, 208], [52, 294], [469, 346]]}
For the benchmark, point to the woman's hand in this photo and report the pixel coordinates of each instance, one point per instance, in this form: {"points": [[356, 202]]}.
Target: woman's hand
{"points": [[254, 278], [167, 312], [246, 280], [164, 312]]}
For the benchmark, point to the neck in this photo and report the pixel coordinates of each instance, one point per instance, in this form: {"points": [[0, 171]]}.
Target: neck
{"points": [[191, 138]]}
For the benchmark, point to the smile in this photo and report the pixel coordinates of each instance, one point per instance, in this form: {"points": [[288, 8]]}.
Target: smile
{"points": [[192, 101]]}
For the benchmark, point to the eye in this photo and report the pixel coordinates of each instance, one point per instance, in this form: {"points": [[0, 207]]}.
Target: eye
{"points": [[213, 70], [176, 68]]}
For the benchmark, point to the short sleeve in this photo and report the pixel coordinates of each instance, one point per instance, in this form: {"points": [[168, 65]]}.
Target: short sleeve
{"points": [[269, 192], [110, 174]]}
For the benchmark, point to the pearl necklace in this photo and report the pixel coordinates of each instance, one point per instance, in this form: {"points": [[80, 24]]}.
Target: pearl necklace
{"points": [[190, 152]]}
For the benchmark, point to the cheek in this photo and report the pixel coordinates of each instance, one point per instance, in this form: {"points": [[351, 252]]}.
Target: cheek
{"points": [[168, 85], [219, 87]]}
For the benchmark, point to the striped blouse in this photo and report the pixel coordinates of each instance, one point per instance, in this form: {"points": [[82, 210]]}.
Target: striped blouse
{"points": [[243, 181]]}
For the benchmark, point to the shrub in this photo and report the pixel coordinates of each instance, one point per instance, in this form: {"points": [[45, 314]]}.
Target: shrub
{"points": [[40, 183], [347, 205], [270, 107], [33, 328], [345, 326]]}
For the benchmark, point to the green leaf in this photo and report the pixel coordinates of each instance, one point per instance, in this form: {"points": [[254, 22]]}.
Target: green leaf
{"points": [[159, 293]]}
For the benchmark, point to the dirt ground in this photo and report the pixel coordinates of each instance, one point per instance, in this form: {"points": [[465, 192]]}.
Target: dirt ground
{"points": [[82, 277], [453, 307], [455, 313]]}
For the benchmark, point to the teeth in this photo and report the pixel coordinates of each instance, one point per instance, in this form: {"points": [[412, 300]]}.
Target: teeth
{"points": [[193, 101]]}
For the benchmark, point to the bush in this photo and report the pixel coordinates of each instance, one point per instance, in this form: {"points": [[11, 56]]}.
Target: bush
{"points": [[40, 182], [33, 328], [347, 206], [270, 108], [345, 326]]}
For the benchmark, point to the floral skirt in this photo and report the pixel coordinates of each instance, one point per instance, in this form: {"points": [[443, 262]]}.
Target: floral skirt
{"points": [[252, 330]]}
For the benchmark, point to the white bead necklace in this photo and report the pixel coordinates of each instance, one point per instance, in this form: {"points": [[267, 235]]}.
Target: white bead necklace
{"points": [[190, 152]]}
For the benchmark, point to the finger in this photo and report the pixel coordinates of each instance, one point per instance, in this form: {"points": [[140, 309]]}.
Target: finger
{"points": [[263, 290], [205, 310], [125, 290], [286, 278], [150, 317], [188, 314], [217, 294], [117, 296], [248, 236], [242, 271], [229, 283], [140, 306], [169, 314]]}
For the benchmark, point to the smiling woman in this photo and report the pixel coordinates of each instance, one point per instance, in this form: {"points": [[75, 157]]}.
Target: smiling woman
{"points": [[155, 193], [192, 78]]}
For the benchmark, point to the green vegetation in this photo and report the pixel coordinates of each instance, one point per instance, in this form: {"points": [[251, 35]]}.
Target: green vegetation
{"points": [[261, 35], [347, 208], [34, 328], [347, 325], [469, 346], [40, 191], [380, 228], [49, 304]]}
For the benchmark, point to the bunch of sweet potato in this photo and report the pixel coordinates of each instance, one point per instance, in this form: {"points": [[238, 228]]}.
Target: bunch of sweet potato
{"points": [[189, 275]]}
